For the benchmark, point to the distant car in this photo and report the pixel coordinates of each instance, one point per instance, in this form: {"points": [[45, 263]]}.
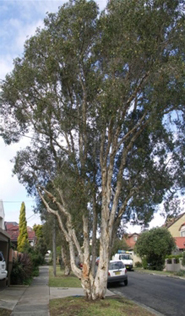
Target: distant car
{"points": [[117, 272]]}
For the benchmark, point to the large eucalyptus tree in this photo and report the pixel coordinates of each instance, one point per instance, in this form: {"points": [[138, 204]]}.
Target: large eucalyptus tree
{"points": [[101, 94]]}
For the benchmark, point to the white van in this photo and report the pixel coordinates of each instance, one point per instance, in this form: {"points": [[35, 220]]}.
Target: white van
{"points": [[3, 271], [125, 257]]}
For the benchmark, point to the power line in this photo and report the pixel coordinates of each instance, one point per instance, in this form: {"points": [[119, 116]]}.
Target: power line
{"points": [[27, 201]]}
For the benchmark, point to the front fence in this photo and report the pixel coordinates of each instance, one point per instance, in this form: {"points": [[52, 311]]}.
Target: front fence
{"points": [[174, 265]]}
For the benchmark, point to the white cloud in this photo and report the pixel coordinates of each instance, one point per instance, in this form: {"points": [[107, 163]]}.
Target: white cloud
{"points": [[6, 63], [11, 191]]}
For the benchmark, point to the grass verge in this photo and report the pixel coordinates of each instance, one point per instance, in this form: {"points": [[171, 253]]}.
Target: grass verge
{"points": [[111, 306], [5, 312], [167, 273], [61, 280], [80, 306]]}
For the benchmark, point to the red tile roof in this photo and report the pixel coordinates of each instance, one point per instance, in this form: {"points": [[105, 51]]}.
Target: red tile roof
{"points": [[180, 242], [129, 239], [13, 230]]}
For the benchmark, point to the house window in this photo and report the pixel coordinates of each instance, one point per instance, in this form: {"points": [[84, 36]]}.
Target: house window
{"points": [[183, 231], [135, 238]]}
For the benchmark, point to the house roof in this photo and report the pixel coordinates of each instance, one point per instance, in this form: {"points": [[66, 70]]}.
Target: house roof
{"points": [[12, 228], [130, 240], [180, 242], [173, 220]]}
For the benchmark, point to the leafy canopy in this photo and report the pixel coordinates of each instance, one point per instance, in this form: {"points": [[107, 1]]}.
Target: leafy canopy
{"points": [[90, 86], [154, 245]]}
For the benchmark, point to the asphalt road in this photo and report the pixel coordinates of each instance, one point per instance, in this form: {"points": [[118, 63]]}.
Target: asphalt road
{"points": [[165, 295]]}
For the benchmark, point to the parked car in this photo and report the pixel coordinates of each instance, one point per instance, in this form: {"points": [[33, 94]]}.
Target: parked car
{"points": [[3, 271], [117, 272], [125, 257]]}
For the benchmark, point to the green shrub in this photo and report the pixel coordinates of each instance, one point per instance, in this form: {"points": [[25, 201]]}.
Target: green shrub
{"points": [[138, 264], [35, 272], [37, 259], [22, 269], [174, 256], [180, 273], [35, 255], [144, 263], [183, 258]]}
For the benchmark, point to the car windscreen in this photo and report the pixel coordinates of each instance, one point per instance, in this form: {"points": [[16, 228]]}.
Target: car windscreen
{"points": [[116, 265], [124, 257]]}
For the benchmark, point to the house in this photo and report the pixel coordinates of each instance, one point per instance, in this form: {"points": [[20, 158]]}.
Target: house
{"points": [[12, 228], [176, 226], [130, 240]]}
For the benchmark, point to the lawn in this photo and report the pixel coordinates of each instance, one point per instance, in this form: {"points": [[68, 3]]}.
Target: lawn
{"points": [[79, 306], [111, 306], [165, 273], [5, 312], [61, 280]]}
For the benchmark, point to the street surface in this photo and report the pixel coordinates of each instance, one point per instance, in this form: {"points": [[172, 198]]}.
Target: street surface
{"points": [[164, 294]]}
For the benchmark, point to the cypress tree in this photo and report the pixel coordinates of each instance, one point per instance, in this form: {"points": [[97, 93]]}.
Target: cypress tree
{"points": [[22, 240]]}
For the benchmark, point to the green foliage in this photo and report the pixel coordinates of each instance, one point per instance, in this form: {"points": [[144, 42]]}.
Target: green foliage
{"points": [[38, 229], [180, 273], [144, 263], [22, 269], [183, 258], [36, 253], [118, 244], [138, 264], [176, 257], [41, 247], [128, 78], [153, 246], [22, 240]]}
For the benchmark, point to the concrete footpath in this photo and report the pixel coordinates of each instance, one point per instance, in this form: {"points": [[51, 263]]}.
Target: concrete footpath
{"points": [[33, 300]]}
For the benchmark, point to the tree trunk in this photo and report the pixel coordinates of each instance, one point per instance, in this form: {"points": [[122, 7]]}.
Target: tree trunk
{"points": [[95, 287], [66, 260], [54, 246]]}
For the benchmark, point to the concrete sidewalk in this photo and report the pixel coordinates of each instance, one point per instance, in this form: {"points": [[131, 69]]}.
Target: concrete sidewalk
{"points": [[33, 300]]}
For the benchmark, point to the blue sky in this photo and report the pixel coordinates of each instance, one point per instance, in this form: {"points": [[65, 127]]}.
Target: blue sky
{"points": [[18, 21]]}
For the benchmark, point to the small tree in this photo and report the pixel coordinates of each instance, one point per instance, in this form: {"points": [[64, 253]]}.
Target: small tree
{"points": [[22, 240], [38, 229], [154, 245]]}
